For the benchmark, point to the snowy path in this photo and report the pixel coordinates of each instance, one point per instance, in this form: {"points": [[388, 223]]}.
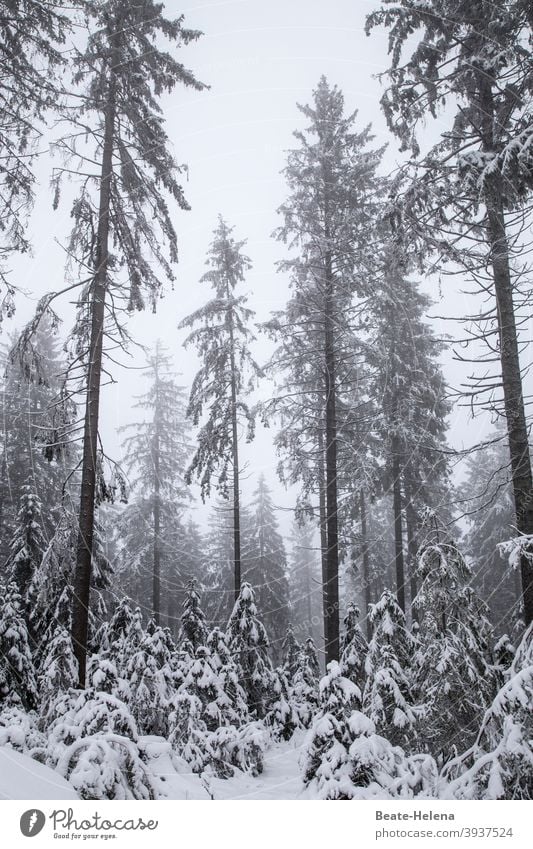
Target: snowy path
{"points": [[280, 779]]}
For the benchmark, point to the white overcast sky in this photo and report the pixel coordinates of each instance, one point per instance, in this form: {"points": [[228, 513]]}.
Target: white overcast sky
{"points": [[260, 59]]}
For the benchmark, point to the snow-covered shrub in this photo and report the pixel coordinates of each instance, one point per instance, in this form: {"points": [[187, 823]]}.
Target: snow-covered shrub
{"points": [[105, 766], [500, 763], [225, 668], [93, 744], [354, 648], [19, 730], [248, 643], [82, 713], [387, 696], [290, 650], [346, 759], [17, 674], [454, 676], [193, 629], [326, 748], [57, 675], [282, 717], [151, 680], [103, 676], [119, 639], [188, 732], [238, 748], [305, 683]]}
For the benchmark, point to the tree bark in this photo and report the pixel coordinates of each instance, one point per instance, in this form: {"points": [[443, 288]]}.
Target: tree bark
{"points": [[517, 431], [366, 562], [512, 382], [156, 575], [323, 532], [333, 642], [398, 521], [412, 547], [235, 461], [82, 575]]}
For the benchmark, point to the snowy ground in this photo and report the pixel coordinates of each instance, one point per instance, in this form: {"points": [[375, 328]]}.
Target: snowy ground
{"points": [[22, 777], [280, 779]]}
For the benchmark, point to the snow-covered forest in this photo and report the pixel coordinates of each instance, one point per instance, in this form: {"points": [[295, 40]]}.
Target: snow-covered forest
{"points": [[298, 562]]}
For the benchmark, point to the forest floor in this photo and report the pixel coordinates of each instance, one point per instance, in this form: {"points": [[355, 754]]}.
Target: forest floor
{"points": [[281, 778], [21, 777]]}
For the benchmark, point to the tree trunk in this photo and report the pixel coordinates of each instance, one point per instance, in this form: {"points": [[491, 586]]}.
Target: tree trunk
{"points": [[82, 575], [398, 522], [235, 460], [323, 532], [509, 354], [156, 575], [366, 562], [412, 546], [333, 643], [512, 382]]}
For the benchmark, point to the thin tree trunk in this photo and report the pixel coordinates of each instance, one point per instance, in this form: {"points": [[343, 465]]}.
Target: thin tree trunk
{"points": [[82, 575], [333, 642], [412, 547], [366, 561], [398, 522], [509, 354], [323, 532], [156, 575], [235, 457]]}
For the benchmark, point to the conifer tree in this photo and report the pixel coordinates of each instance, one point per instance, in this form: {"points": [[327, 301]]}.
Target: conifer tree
{"points": [[248, 643], [453, 668], [156, 454], [470, 62], [266, 566], [305, 582], [193, 629], [225, 378], [411, 423], [122, 223], [354, 648], [331, 177], [500, 763], [57, 674], [305, 683], [219, 574], [17, 674], [27, 546], [150, 678], [291, 651], [488, 502], [31, 37], [388, 697], [35, 421]]}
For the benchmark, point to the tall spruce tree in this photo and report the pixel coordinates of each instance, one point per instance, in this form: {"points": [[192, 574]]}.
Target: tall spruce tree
{"points": [[468, 199], [305, 583], [122, 222], [266, 567], [411, 422], [333, 196], [124, 168], [156, 454], [222, 337]]}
